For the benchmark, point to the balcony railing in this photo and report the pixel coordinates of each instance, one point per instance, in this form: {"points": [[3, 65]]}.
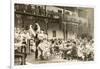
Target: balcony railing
{"points": [[40, 11], [74, 19]]}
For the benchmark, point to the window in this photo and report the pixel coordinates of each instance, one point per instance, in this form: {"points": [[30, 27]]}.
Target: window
{"points": [[60, 11], [54, 33]]}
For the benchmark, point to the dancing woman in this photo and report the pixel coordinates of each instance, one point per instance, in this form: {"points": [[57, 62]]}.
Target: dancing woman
{"points": [[35, 32]]}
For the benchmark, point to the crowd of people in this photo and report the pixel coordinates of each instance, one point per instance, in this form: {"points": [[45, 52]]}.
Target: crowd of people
{"points": [[70, 49]]}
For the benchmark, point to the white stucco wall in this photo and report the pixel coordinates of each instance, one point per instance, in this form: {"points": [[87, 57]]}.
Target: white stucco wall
{"points": [[55, 27]]}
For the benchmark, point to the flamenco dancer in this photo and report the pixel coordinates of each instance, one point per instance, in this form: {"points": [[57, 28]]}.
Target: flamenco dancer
{"points": [[35, 32]]}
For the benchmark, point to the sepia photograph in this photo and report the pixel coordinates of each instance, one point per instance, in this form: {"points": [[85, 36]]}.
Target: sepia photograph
{"points": [[53, 34]]}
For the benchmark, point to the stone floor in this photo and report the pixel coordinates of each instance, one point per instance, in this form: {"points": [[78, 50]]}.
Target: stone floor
{"points": [[53, 59]]}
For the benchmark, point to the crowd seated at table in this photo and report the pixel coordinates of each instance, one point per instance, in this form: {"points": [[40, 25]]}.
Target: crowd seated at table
{"points": [[79, 48]]}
